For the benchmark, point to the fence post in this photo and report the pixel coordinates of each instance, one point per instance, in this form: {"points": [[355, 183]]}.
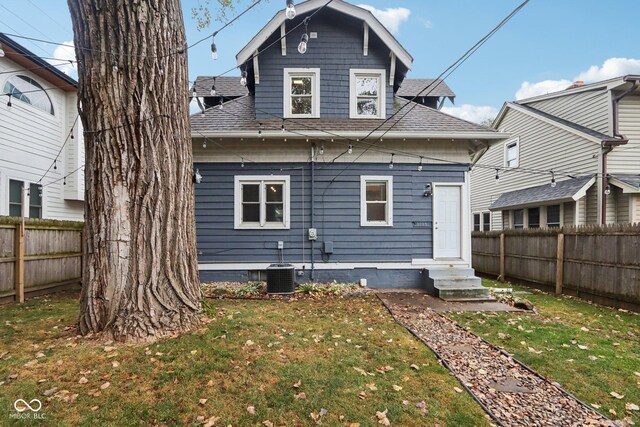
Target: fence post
{"points": [[502, 273], [19, 270], [560, 264]]}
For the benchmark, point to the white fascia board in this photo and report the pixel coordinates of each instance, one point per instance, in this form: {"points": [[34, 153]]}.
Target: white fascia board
{"points": [[556, 124], [583, 191], [626, 188], [302, 134], [533, 204], [500, 116], [339, 5], [605, 84]]}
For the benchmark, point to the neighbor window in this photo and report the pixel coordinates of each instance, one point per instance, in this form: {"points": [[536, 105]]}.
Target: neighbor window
{"points": [[376, 200], [367, 94], [486, 221], [518, 219], [35, 201], [29, 91], [302, 92], [511, 153], [534, 217], [262, 202], [15, 198], [476, 222], [553, 216]]}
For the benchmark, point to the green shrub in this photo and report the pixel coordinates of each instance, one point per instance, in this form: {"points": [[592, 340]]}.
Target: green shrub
{"points": [[251, 288]]}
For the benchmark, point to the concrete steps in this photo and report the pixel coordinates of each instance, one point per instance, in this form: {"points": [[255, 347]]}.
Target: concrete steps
{"points": [[457, 284]]}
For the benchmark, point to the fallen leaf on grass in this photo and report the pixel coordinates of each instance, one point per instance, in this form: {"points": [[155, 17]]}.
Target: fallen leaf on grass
{"points": [[267, 423], [297, 385], [105, 385], [422, 405], [372, 387], [251, 410], [414, 366], [211, 421], [95, 408], [31, 363], [317, 416], [533, 350], [362, 395], [397, 387], [595, 405], [382, 418], [616, 395], [202, 401], [83, 380], [631, 407], [249, 343], [115, 364], [583, 329], [50, 391], [384, 369], [107, 349], [457, 390], [583, 347], [354, 425], [300, 396], [637, 374]]}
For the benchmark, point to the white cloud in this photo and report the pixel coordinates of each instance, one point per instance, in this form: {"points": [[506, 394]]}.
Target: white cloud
{"points": [[391, 17], [528, 89], [65, 53], [611, 68], [472, 113]]}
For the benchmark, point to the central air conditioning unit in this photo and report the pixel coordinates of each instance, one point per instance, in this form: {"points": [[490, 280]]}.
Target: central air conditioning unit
{"points": [[280, 279]]}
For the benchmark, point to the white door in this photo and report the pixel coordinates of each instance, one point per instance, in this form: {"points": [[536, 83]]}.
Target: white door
{"points": [[447, 220]]}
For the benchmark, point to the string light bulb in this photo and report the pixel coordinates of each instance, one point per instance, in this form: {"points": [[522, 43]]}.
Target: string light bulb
{"points": [[2, 50], [64, 181], [242, 163], [321, 150], [213, 87], [114, 65], [243, 79], [55, 166], [259, 129], [290, 11], [71, 136], [302, 47], [282, 127], [497, 175], [220, 106], [391, 161], [214, 48], [204, 144], [607, 190], [553, 180], [194, 94], [420, 165], [39, 190], [9, 102], [350, 149]]}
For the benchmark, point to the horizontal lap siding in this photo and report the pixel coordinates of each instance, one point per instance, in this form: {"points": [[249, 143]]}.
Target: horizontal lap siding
{"points": [[337, 214], [338, 48], [626, 159]]}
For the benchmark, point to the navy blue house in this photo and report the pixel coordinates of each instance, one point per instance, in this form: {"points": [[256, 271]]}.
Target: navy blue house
{"points": [[326, 161]]}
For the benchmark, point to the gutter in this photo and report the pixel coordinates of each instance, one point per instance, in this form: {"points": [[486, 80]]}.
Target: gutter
{"points": [[618, 139], [303, 134]]}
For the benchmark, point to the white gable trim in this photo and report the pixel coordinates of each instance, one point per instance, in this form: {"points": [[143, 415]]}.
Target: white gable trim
{"points": [[626, 188], [339, 5]]}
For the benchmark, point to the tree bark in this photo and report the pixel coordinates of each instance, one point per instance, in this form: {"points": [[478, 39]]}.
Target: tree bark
{"points": [[140, 277]]}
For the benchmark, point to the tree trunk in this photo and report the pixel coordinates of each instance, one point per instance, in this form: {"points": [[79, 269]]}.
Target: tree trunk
{"points": [[140, 277]]}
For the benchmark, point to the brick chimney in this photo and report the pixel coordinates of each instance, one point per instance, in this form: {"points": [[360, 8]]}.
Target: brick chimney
{"points": [[576, 84]]}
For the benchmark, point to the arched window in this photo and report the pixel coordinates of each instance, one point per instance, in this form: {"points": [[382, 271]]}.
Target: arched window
{"points": [[30, 91]]}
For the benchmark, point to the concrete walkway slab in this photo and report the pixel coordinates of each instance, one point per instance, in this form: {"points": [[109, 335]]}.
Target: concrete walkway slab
{"points": [[420, 299]]}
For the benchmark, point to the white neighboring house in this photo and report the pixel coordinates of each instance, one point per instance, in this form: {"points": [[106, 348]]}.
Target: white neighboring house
{"points": [[583, 133], [35, 129]]}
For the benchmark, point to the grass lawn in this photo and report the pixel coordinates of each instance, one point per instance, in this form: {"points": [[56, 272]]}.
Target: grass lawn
{"points": [[553, 343], [250, 355]]}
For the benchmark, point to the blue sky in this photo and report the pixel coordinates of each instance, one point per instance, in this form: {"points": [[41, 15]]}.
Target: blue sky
{"points": [[544, 48]]}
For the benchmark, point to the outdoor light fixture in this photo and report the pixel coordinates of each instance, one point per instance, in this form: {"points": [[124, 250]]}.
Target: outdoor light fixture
{"points": [[243, 79], [428, 190], [290, 11], [302, 47]]}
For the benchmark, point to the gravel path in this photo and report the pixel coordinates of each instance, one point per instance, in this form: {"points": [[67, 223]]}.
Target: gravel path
{"points": [[514, 395]]}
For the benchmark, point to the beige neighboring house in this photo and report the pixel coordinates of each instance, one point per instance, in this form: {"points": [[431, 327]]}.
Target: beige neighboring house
{"points": [[38, 111], [582, 134]]}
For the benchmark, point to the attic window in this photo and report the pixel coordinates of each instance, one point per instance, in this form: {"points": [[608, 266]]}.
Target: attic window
{"points": [[301, 92], [367, 94], [28, 91], [511, 153]]}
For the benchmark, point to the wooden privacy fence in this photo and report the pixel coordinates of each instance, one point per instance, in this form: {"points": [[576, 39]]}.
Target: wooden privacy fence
{"points": [[38, 257], [601, 263]]}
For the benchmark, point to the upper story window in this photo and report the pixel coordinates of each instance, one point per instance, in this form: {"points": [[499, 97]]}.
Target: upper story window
{"points": [[30, 91], [511, 153], [367, 97], [301, 92], [16, 199], [376, 200], [262, 202]]}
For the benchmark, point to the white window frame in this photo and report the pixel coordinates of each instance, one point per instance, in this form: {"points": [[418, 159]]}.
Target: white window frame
{"points": [[314, 73], [516, 143], [482, 214], [363, 201], [263, 181], [382, 92]]}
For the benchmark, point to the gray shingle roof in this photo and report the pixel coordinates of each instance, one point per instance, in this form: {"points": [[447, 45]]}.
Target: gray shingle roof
{"points": [[412, 87], [225, 86], [572, 125], [629, 179], [239, 115], [542, 193]]}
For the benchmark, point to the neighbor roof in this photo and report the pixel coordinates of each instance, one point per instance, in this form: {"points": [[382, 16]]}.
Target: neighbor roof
{"points": [[339, 5], [225, 86], [238, 117], [414, 87], [27, 59], [571, 189], [628, 182]]}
